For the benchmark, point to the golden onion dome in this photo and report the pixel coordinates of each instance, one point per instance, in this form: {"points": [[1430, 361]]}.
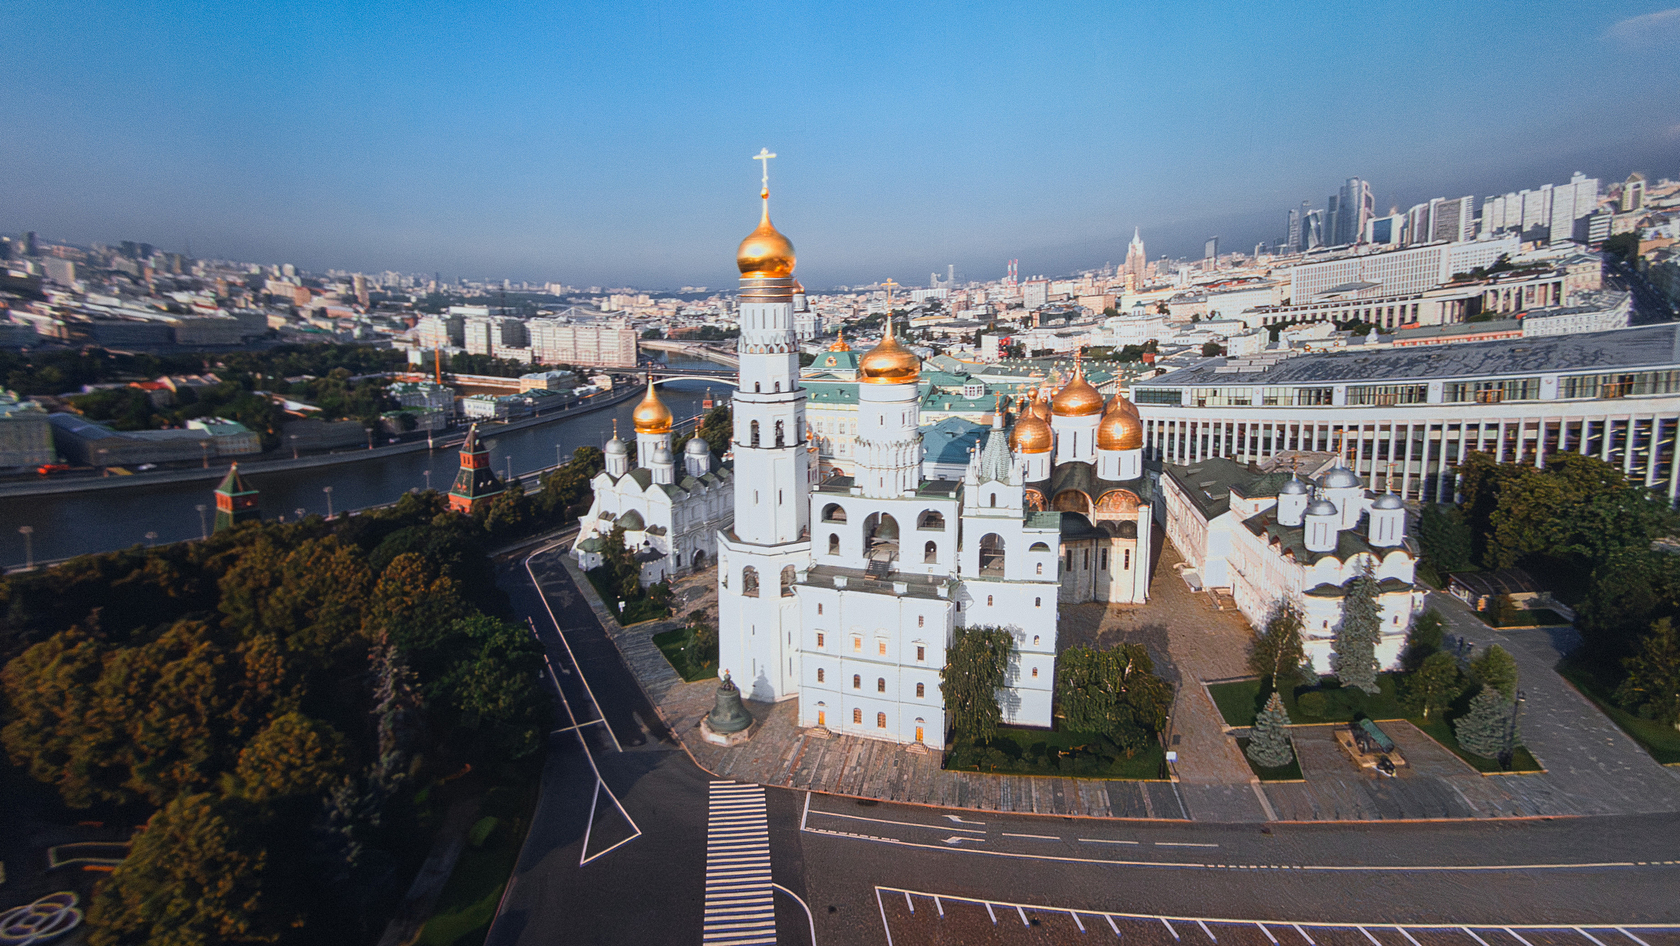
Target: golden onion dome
{"points": [[1120, 429], [1038, 406], [651, 415], [889, 362], [1120, 402], [1031, 434], [1077, 398], [840, 342], [765, 253]]}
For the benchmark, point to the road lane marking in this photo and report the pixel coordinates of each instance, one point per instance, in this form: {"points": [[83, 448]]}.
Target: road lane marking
{"points": [[1107, 841], [1269, 936], [1036, 837], [1112, 926], [1620, 929], [1303, 933], [739, 905], [1406, 933], [1181, 844], [543, 596], [909, 903], [1479, 939], [902, 824], [991, 914], [1023, 914], [809, 919], [1373, 939], [1215, 938], [1589, 936], [1076, 920], [1196, 865], [1169, 928]]}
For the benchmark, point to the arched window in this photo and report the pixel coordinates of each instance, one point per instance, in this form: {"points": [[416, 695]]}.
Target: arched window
{"points": [[988, 601], [778, 387], [991, 554], [1041, 568], [754, 440], [931, 519], [993, 498], [1038, 547], [819, 674], [788, 578], [781, 434], [930, 553], [880, 684], [1038, 602], [857, 681], [921, 690], [880, 720], [834, 512], [757, 387], [857, 716], [833, 544], [1035, 673], [749, 581]]}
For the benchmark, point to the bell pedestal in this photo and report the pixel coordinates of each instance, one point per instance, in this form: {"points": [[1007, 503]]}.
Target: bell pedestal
{"points": [[729, 723]]}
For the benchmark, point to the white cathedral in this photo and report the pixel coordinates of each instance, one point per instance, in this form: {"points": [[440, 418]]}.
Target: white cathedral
{"points": [[846, 594]]}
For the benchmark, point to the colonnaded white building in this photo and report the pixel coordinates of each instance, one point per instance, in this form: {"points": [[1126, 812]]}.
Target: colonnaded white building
{"points": [[846, 595], [1405, 418]]}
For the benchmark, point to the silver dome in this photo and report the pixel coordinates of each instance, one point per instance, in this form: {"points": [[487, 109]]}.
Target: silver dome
{"points": [[616, 448], [1388, 501], [697, 448], [661, 454], [1322, 507], [1340, 477], [1293, 488]]}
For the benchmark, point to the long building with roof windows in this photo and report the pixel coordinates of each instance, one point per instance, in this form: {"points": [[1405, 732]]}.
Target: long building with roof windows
{"points": [[1405, 418]]}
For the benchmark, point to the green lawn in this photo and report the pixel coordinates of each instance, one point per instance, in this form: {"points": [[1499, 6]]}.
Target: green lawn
{"points": [[672, 644], [1022, 751], [1281, 773], [1662, 742], [1240, 700], [636, 610], [468, 903]]}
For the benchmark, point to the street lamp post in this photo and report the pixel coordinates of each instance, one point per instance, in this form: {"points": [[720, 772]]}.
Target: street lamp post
{"points": [[370, 437], [1511, 732], [28, 533], [294, 446], [509, 459], [328, 491], [203, 525]]}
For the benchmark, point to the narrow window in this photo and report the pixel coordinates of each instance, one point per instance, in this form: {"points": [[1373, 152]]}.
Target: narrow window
{"points": [[1041, 568], [857, 645], [834, 545], [1104, 565], [921, 620], [1035, 673], [1128, 560], [819, 674], [857, 682], [819, 638], [755, 433], [819, 609], [921, 690], [988, 601], [881, 648], [880, 720], [921, 652], [994, 500], [1038, 602], [1035, 640], [857, 716], [880, 684]]}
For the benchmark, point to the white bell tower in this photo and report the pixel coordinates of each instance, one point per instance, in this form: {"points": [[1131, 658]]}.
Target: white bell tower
{"points": [[769, 548]]}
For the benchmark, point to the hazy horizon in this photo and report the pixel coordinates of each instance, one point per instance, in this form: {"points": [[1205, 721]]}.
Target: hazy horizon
{"points": [[612, 146]]}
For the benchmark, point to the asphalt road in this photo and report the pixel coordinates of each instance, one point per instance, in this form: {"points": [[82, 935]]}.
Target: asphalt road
{"points": [[617, 852]]}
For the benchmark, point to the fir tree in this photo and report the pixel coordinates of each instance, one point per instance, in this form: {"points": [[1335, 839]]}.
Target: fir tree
{"points": [[1355, 660], [1487, 729], [1268, 743], [1277, 654]]}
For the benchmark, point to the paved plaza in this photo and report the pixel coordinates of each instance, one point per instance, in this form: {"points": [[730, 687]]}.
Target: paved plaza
{"points": [[1592, 768]]}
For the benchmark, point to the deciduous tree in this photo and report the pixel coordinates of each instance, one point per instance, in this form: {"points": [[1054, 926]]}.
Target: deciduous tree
{"points": [[1498, 669], [1277, 655], [1433, 686], [1652, 687], [973, 672]]}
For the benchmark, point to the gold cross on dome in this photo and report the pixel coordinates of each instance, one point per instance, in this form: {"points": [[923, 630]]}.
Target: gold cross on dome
{"points": [[763, 157], [889, 284]]}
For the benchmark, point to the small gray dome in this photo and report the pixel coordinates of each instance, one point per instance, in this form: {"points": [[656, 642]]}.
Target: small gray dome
{"points": [[616, 448], [697, 448], [1388, 501], [1293, 488], [632, 521], [661, 454], [1322, 507], [1340, 477]]}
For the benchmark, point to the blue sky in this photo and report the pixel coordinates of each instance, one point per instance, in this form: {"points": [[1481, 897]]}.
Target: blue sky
{"points": [[610, 144]]}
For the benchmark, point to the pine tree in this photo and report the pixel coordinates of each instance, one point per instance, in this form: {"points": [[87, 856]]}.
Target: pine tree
{"points": [[1487, 729], [1268, 744], [1355, 659], [1277, 654]]}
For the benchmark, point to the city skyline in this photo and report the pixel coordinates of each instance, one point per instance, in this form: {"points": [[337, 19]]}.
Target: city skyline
{"points": [[549, 149]]}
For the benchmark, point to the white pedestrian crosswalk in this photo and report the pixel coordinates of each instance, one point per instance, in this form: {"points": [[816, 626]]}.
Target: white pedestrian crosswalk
{"points": [[739, 911]]}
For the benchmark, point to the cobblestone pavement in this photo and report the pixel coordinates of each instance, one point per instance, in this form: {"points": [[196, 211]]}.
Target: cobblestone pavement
{"points": [[1592, 767]]}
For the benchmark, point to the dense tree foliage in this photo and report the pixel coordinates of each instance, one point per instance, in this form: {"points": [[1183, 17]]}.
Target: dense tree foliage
{"points": [[1496, 668], [1114, 692], [974, 671], [1424, 637], [1433, 686], [1652, 687], [1488, 729], [1445, 539], [1277, 655], [280, 695]]}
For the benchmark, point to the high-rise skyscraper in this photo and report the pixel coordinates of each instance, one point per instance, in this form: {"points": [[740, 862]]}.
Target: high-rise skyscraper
{"points": [[1136, 262], [1633, 193], [1350, 210], [1210, 249], [1292, 236]]}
